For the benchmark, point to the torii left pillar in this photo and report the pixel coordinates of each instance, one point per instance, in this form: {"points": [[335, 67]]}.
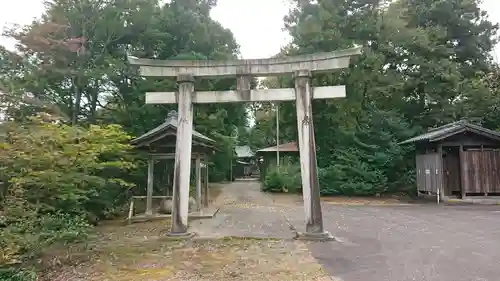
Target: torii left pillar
{"points": [[182, 166]]}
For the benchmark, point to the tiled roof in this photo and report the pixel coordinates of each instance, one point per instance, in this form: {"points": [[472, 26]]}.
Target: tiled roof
{"points": [[243, 151], [170, 123], [285, 147], [451, 129]]}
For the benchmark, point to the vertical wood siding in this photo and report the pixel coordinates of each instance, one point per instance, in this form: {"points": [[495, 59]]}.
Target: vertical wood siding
{"points": [[429, 172], [482, 173]]}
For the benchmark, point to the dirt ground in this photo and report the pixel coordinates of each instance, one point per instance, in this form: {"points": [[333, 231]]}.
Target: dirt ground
{"points": [[287, 199], [378, 239], [140, 252], [132, 253], [251, 238]]}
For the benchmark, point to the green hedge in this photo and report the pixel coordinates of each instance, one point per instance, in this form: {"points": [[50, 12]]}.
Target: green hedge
{"points": [[286, 178]]}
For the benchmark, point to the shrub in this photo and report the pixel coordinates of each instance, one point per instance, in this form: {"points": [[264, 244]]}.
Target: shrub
{"points": [[55, 167], [286, 178], [351, 180], [57, 177], [17, 274], [24, 240]]}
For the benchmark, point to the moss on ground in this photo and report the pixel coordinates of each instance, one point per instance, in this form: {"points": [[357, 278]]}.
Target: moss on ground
{"points": [[123, 253], [138, 252]]}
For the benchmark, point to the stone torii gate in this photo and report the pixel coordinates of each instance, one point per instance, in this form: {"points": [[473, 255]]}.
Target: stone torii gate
{"points": [[301, 67]]}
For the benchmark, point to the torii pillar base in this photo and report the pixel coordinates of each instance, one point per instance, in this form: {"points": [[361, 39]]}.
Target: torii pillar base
{"points": [[180, 236], [314, 236]]}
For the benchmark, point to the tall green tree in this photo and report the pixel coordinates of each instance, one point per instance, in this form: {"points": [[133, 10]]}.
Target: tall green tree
{"points": [[442, 61], [76, 60], [423, 65], [73, 62]]}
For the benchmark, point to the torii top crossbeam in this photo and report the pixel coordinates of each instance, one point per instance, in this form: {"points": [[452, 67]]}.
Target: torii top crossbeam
{"points": [[319, 62]]}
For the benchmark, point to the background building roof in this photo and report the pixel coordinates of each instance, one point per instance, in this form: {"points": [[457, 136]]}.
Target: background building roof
{"points": [[169, 124], [285, 147], [243, 151], [451, 129]]}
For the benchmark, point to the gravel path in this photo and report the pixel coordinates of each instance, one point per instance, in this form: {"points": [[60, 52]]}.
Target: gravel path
{"points": [[244, 211], [415, 242]]}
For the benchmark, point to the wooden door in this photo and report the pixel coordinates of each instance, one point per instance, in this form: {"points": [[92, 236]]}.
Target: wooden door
{"points": [[451, 173], [429, 172]]}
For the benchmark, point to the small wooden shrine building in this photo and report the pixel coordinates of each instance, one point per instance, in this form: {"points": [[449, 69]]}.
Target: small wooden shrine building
{"points": [[458, 159], [267, 156], [245, 161], [160, 144]]}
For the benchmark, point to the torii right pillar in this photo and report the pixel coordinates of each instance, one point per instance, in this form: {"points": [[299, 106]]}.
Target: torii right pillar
{"points": [[308, 163]]}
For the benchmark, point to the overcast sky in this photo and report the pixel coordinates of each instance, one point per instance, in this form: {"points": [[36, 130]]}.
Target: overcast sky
{"points": [[256, 24]]}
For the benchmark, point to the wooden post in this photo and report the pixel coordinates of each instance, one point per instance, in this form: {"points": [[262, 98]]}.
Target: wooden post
{"points": [[277, 135], [167, 173], [130, 211], [206, 195], [182, 168], [439, 173], [231, 170], [463, 170], [438, 195], [484, 186], [308, 165], [198, 183], [417, 166], [149, 192]]}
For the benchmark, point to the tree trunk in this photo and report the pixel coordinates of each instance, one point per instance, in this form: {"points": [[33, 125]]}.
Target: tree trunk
{"points": [[76, 105], [93, 103]]}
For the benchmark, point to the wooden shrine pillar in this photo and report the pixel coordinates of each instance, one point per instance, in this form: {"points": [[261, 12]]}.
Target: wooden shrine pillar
{"points": [[463, 172], [206, 194], [149, 192], [198, 183], [169, 180]]}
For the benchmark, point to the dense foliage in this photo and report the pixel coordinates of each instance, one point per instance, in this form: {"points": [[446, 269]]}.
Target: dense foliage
{"points": [[424, 64], [57, 167], [285, 178], [61, 175], [58, 178]]}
